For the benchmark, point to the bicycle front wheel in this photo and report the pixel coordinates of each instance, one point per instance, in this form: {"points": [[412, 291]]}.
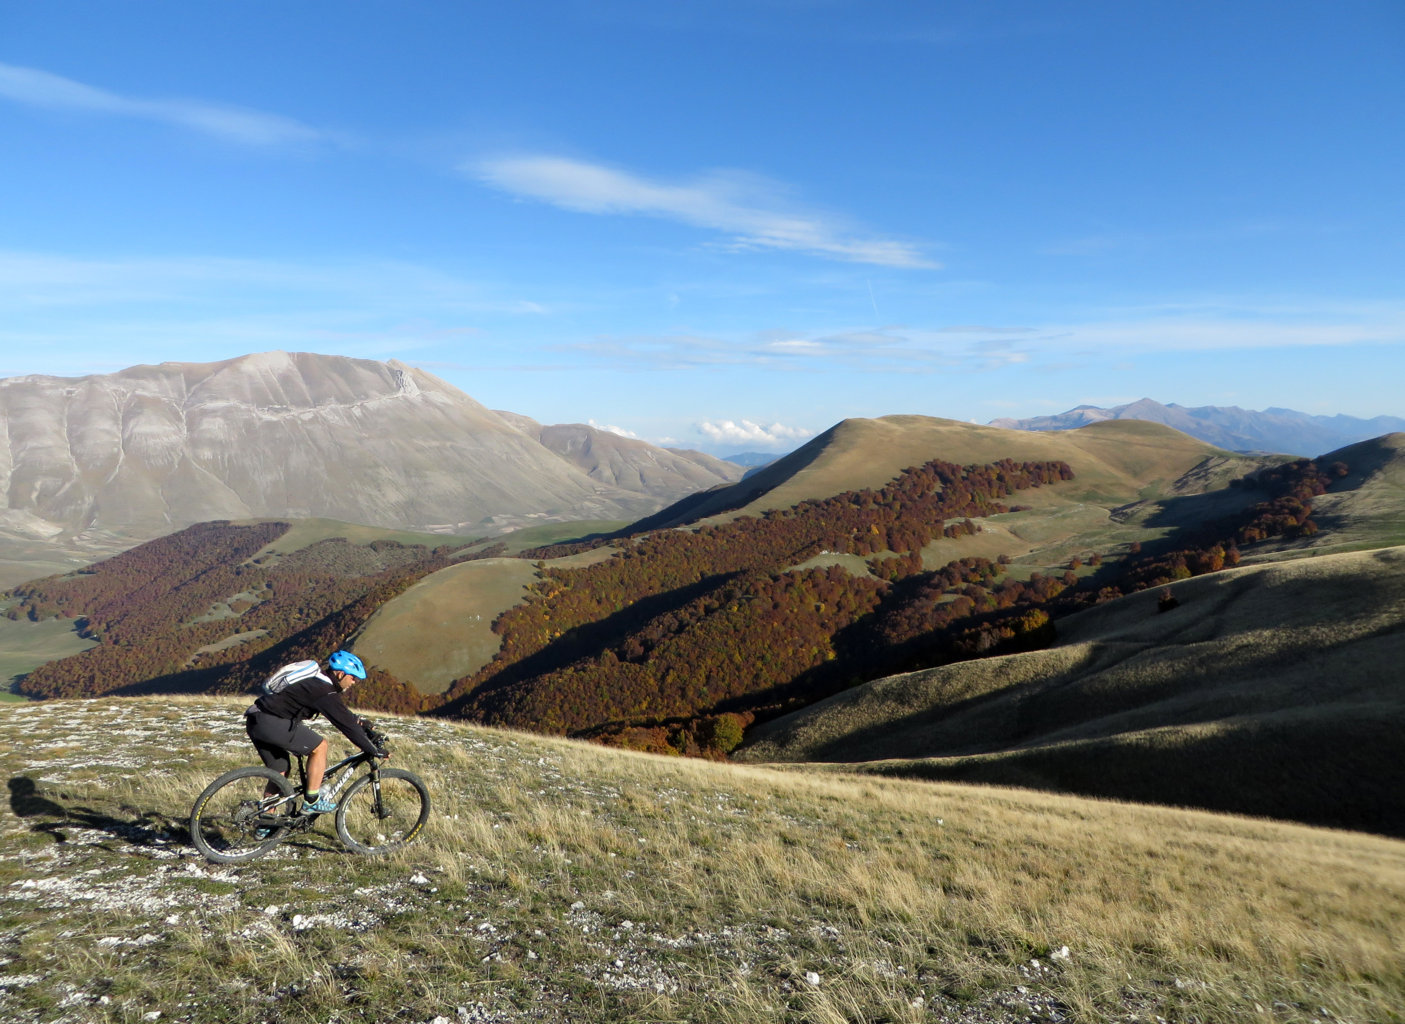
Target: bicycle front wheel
{"points": [[382, 812], [237, 817]]}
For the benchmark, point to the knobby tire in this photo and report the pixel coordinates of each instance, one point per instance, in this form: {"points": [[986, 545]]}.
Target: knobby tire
{"points": [[226, 820], [403, 810]]}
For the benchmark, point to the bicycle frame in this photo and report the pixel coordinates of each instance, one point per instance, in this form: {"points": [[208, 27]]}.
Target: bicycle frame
{"points": [[331, 787]]}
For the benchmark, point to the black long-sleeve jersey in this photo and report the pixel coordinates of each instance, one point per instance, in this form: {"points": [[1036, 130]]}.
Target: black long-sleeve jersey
{"points": [[317, 696]]}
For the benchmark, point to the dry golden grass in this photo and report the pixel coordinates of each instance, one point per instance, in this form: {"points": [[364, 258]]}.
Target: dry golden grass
{"points": [[1114, 463], [565, 882]]}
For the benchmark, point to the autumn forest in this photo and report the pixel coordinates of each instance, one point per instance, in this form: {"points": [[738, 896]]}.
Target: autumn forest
{"points": [[676, 643]]}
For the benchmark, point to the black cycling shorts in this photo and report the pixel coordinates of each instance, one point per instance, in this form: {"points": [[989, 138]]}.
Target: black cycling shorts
{"points": [[275, 738]]}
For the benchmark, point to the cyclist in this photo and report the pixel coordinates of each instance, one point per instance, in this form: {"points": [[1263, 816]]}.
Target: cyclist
{"points": [[276, 723]]}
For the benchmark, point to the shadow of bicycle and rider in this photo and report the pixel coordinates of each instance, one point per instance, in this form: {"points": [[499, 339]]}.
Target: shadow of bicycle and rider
{"points": [[150, 830], [45, 815]]}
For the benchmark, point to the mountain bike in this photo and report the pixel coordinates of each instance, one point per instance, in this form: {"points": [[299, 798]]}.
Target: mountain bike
{"points": [[246, 812]]}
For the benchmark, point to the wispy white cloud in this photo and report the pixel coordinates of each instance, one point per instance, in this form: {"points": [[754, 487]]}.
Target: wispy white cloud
{"points": [[36, 88], [923, 349], [743, 207], [798, 347], [621, 431], [50, 302], [983, 330], [747, 432]]}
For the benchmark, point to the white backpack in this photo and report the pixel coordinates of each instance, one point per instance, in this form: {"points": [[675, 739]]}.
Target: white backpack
{"points": [[290, 674]]}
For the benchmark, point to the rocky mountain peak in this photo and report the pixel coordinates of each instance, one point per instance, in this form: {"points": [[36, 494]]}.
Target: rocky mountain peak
{"points": [[128, 456]]}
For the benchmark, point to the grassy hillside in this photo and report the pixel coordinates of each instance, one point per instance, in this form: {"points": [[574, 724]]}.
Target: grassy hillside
{"points": [[1370, 511], [1114, 463], [303, 533], [406, 636], [1134, 483], [25, 646], [441, 628], [1274, 689], [563, 882]]}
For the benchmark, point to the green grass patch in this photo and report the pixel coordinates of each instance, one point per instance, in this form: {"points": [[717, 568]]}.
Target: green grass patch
{"points": [[25, 645], [554, 533]]}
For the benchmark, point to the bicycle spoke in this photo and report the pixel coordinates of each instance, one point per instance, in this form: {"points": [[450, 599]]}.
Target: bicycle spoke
{"points": [[237, 818], [375, 819]]}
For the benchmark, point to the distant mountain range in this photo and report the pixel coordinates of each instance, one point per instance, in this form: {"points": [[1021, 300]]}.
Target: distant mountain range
{"points": [[753, 459], [92, 465], [1273, 430]]}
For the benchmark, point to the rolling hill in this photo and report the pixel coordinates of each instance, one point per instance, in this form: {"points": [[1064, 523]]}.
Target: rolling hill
{"points": [[89, 466], [1114, 463], [1272, 689]]}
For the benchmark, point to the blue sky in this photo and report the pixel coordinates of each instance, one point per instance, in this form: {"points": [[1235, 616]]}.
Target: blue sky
{"points": [[720, 225]]}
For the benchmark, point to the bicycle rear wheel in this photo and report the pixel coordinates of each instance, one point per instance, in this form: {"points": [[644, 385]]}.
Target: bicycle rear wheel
{"points": [[233, 820], [383, 812]]}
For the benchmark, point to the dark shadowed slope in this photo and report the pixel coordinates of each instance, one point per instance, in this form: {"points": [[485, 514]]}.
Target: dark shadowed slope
{"points": [[1269, 690]]}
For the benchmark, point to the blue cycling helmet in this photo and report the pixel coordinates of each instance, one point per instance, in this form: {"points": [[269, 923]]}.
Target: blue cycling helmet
{"points": [[345, 661]]}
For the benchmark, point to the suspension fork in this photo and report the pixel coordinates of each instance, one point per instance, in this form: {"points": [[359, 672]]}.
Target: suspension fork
{"points": [[376, 804]]}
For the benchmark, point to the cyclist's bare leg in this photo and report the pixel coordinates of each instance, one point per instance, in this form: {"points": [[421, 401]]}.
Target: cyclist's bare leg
{"points": [[316, 767]]}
